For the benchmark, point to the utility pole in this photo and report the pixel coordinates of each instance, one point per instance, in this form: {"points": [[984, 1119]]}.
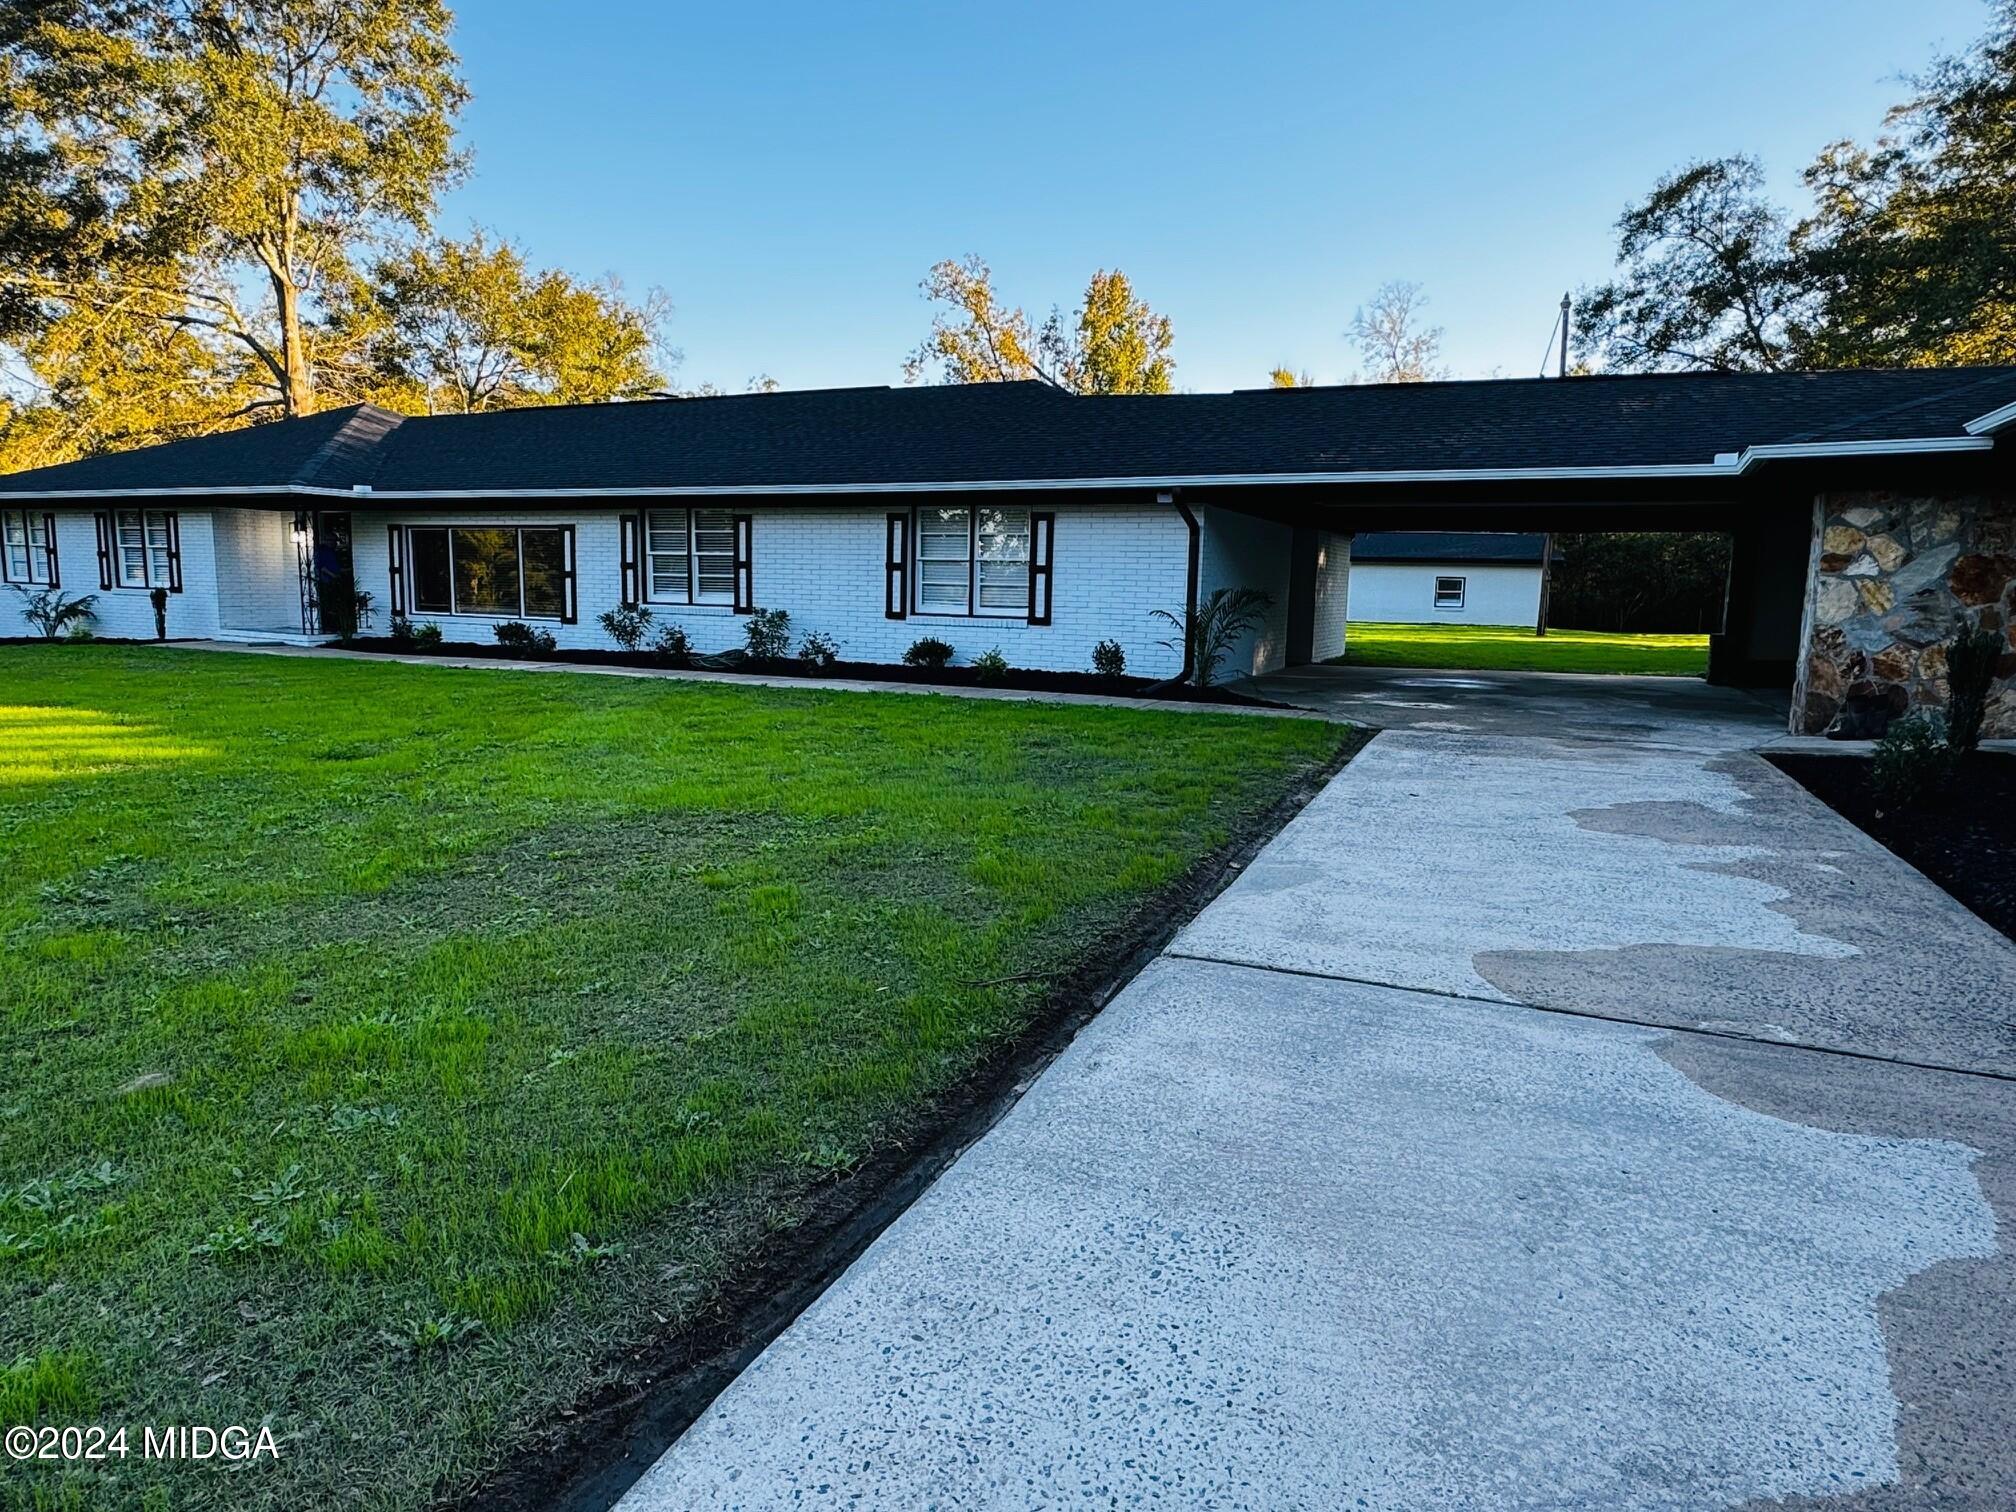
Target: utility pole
{"points": [[1564, 335]]}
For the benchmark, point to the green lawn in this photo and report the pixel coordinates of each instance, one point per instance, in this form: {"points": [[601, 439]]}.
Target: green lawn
{"points": [[1509, 648], [383, 1049]]}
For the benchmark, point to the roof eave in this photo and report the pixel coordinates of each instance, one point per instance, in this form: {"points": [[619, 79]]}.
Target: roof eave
{"points": [[1726, 465]]}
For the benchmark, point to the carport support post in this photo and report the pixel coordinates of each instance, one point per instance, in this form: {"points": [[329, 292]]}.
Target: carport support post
{"points": [[1769, 557], [1546, 566]]}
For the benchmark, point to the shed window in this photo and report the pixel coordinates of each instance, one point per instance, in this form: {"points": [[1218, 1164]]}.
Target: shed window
{"points": [[29, 557], [1449, 593]]}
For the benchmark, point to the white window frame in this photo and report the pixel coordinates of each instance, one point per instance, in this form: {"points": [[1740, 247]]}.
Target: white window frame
{"points": [[975, 558], [19, 529], [1444, 602], [688, 528], [455, 608], [157, 565]]}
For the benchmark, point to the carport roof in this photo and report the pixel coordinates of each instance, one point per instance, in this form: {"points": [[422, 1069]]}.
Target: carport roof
{"points": [[1526, 549], [1029, 435]]}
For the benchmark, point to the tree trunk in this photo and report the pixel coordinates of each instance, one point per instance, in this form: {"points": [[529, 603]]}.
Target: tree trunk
{"points": [[297, 389]]}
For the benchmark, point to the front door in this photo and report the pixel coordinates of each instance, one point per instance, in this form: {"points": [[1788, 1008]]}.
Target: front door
{"points": [[337, 608]]}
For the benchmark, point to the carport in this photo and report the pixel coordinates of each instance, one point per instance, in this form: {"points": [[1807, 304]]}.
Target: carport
{"points": [[1872, 515]]}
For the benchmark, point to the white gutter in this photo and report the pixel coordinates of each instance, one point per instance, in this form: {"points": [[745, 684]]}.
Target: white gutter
{"points": [[1994, 420], [1725, 465]]}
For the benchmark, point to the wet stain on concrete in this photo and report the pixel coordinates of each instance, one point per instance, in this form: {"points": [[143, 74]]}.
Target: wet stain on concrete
{"points": [[1950, 1330], [1922, 979]]}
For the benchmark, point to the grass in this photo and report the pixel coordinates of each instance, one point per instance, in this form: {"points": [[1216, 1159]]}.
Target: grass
{"points": [[385, 1049], [1512, 648]]}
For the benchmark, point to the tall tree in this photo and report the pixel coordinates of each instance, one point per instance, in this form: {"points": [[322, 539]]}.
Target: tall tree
{"points": [[464, 326], [1707, 278], [1912, 243], [173, 161], [1396, 344], [1284, 376], [1113, 343]]}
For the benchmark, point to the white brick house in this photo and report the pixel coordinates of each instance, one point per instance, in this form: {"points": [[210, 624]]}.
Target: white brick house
{"points": [[1015, 517]]}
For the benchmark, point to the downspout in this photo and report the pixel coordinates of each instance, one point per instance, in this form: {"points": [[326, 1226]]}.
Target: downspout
{"points": [[1195, 571]]}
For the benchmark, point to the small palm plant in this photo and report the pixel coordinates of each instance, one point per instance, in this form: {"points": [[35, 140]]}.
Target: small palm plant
{"points": [[1208, 637], [51, 612]]}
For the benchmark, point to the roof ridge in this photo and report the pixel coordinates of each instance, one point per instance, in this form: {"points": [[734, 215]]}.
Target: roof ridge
{"points": [[1992, 376], [358, 439]]}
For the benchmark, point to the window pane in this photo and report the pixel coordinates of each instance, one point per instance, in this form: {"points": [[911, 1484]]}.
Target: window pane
{"points": [[545, 574], [943, 535], [157, 549], [429, 566], [132, 549], [941, 586], [1004, 588], [15, 525], [944, 551], [666, 562], [1004, 535], [486, 570], [714, 554]]}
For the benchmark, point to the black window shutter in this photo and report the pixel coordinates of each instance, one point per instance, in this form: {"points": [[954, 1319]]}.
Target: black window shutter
{"points": [[1042, 532], [745, 565], [395, 557], [570, 608], [49, 535], [632, 528], [174, 553], [896, 593], [104, 550]]}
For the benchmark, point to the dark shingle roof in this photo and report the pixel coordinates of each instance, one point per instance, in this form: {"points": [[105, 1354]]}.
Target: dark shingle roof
{"points": [[1447, 546], [860, 437], [325, 449]]}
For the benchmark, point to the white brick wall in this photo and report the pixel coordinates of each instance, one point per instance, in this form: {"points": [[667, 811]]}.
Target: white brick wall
{"points": [[824, 564], [258, 569], [1241, 551], [126, 612], [1333, 593]]}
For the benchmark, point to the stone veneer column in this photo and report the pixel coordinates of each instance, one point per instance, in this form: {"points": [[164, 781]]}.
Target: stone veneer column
{"points": [[1895, 577]]}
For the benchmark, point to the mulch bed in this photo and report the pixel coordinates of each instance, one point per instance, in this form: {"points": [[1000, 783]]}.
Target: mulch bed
{"points": [[1965, 840], [1017, 679]]}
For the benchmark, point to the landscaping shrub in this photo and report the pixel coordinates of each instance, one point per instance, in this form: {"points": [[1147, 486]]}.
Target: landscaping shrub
{"points": [[1109, 659], [675, 645], [927, 651], [516, 635], [1207, 635], [768, 634], [819, 652], [400, 631], [51, 612], [1970, 672], [426, 637], [627, 624], [990, 666], [159, 599], [360, 618], [1913, 761]]}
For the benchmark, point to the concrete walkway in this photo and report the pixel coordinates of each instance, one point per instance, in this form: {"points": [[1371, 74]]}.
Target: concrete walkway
{"points": [[1564, 1111]]}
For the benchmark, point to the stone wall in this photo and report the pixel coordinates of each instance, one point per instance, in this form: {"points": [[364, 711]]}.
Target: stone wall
{"points": [[1894, 578]]}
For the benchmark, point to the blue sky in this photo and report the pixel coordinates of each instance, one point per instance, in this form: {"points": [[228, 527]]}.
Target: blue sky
{"points": [[787, 172]]}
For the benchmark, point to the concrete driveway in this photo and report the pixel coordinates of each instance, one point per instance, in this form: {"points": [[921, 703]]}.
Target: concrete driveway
{"points": [[1564, 1111]]}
